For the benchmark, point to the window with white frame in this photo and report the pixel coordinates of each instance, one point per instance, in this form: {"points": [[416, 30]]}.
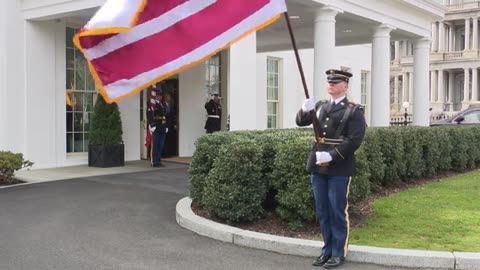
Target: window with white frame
{"points": [[80, 96], [364, 88], [272, 92], [212, 75]]}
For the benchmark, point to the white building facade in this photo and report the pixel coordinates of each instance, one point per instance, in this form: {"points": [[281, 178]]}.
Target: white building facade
{"points": [[454, 61], [41, 73]]}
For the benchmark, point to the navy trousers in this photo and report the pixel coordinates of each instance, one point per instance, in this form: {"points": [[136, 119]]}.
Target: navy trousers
{"points": [[158, 143], [331, 203]]}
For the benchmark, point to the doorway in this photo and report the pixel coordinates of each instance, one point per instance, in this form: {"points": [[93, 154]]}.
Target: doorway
{"points": [[170, 90]]}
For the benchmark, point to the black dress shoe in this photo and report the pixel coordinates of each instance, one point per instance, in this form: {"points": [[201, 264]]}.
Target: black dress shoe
{"points": [[334, 262], [321, 260]]}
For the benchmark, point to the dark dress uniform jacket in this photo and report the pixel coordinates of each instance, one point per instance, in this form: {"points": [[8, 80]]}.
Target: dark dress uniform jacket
{"points": [[213, 109], [329, 118], [159, 118]]}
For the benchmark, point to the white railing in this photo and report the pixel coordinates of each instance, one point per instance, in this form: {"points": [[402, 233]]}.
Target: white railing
{"points": [[453, 55], [464, 5]]}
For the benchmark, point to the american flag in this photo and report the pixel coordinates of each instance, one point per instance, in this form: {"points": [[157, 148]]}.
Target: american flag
{"points": [[132, 44]]}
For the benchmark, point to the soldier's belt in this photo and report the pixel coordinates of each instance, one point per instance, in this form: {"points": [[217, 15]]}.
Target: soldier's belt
{"points": [[159, 118], [323, 140], [213, 116]]}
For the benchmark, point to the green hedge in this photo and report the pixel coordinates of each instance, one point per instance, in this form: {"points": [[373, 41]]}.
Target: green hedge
{"points": [[234, 188], [238, 176], [9, 164]]}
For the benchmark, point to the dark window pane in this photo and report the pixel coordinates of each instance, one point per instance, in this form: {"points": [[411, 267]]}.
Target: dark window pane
{"points": [[86, 121], [70, 58], [85, 144], [69, 37], [78, 101], [78, 122], [69, 118], [70, 83], [78, 142], [90, 82], [271, 108], [89, 101], [69, 142]]}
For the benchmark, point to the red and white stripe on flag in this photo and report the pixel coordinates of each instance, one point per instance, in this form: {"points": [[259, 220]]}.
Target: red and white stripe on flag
{"points": [[131, 44]]}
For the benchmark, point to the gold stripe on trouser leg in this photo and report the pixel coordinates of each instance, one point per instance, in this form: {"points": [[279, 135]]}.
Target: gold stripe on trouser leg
{"points": [[347, 219]]}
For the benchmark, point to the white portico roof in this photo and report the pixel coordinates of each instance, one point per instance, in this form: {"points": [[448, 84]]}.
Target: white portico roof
{"points": [[354, 23]]}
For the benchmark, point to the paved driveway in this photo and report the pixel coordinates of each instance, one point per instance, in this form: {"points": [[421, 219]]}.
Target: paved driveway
{"points": [[117, 222]]}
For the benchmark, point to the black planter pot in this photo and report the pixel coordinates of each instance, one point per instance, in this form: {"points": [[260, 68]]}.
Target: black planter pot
{"points": [[105, 156]]}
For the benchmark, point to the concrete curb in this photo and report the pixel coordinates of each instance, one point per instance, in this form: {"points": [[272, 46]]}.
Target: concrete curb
{"points": [[309, 248]]}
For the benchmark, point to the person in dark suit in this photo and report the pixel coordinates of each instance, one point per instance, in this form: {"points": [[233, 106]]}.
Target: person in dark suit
{"points": [[331, 162], [158, 117], [214, 112]]}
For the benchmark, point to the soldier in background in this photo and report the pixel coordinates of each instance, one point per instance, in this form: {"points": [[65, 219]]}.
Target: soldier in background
{"points": [[214, 112], [158, 117], [331, 163]]}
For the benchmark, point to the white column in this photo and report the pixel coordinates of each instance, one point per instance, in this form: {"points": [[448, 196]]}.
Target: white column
{"points": [[466, 84], [451, 37], [380, 112], [242, 64], [441, 36], [404, 87], [467, 34], [397, 51], [434, 37], [451, 78], [410, 88], [13, 97], [474, 84], [441, 87], [3, 75], [475, 34], [395, 92], [405, 47], [433, 85], [421, 105], [324, 44]]}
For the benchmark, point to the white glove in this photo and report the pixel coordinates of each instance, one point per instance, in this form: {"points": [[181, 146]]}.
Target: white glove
{"points": [[152, 129], [308, 105], [323, 157], [166, 130]]}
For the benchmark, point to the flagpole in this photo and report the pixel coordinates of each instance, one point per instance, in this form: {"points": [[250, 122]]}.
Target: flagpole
{"points": [[316, 128], [297, 56]]}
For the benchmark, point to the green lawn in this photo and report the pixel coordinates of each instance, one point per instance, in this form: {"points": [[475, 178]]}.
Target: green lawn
{"points": [[444, 215]]}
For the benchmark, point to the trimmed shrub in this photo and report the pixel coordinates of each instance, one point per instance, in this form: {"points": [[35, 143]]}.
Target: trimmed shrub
{"points": [[360, 185], [412, 156], [237, 176], [292, 181], [234, 189], [9, 164], [105, 124], [375, 159], [441, 136], [392, 147], [459, 153], [206, 151]]}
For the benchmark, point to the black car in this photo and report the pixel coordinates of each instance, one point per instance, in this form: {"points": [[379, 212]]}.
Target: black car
{"points": [[469, 116]]}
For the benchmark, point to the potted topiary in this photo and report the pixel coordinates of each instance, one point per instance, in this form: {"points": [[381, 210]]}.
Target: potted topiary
{"points": [[106, 148]]}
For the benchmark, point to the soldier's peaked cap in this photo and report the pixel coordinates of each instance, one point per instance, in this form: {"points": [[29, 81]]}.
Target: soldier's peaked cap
{"points": [[336, 75]]}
